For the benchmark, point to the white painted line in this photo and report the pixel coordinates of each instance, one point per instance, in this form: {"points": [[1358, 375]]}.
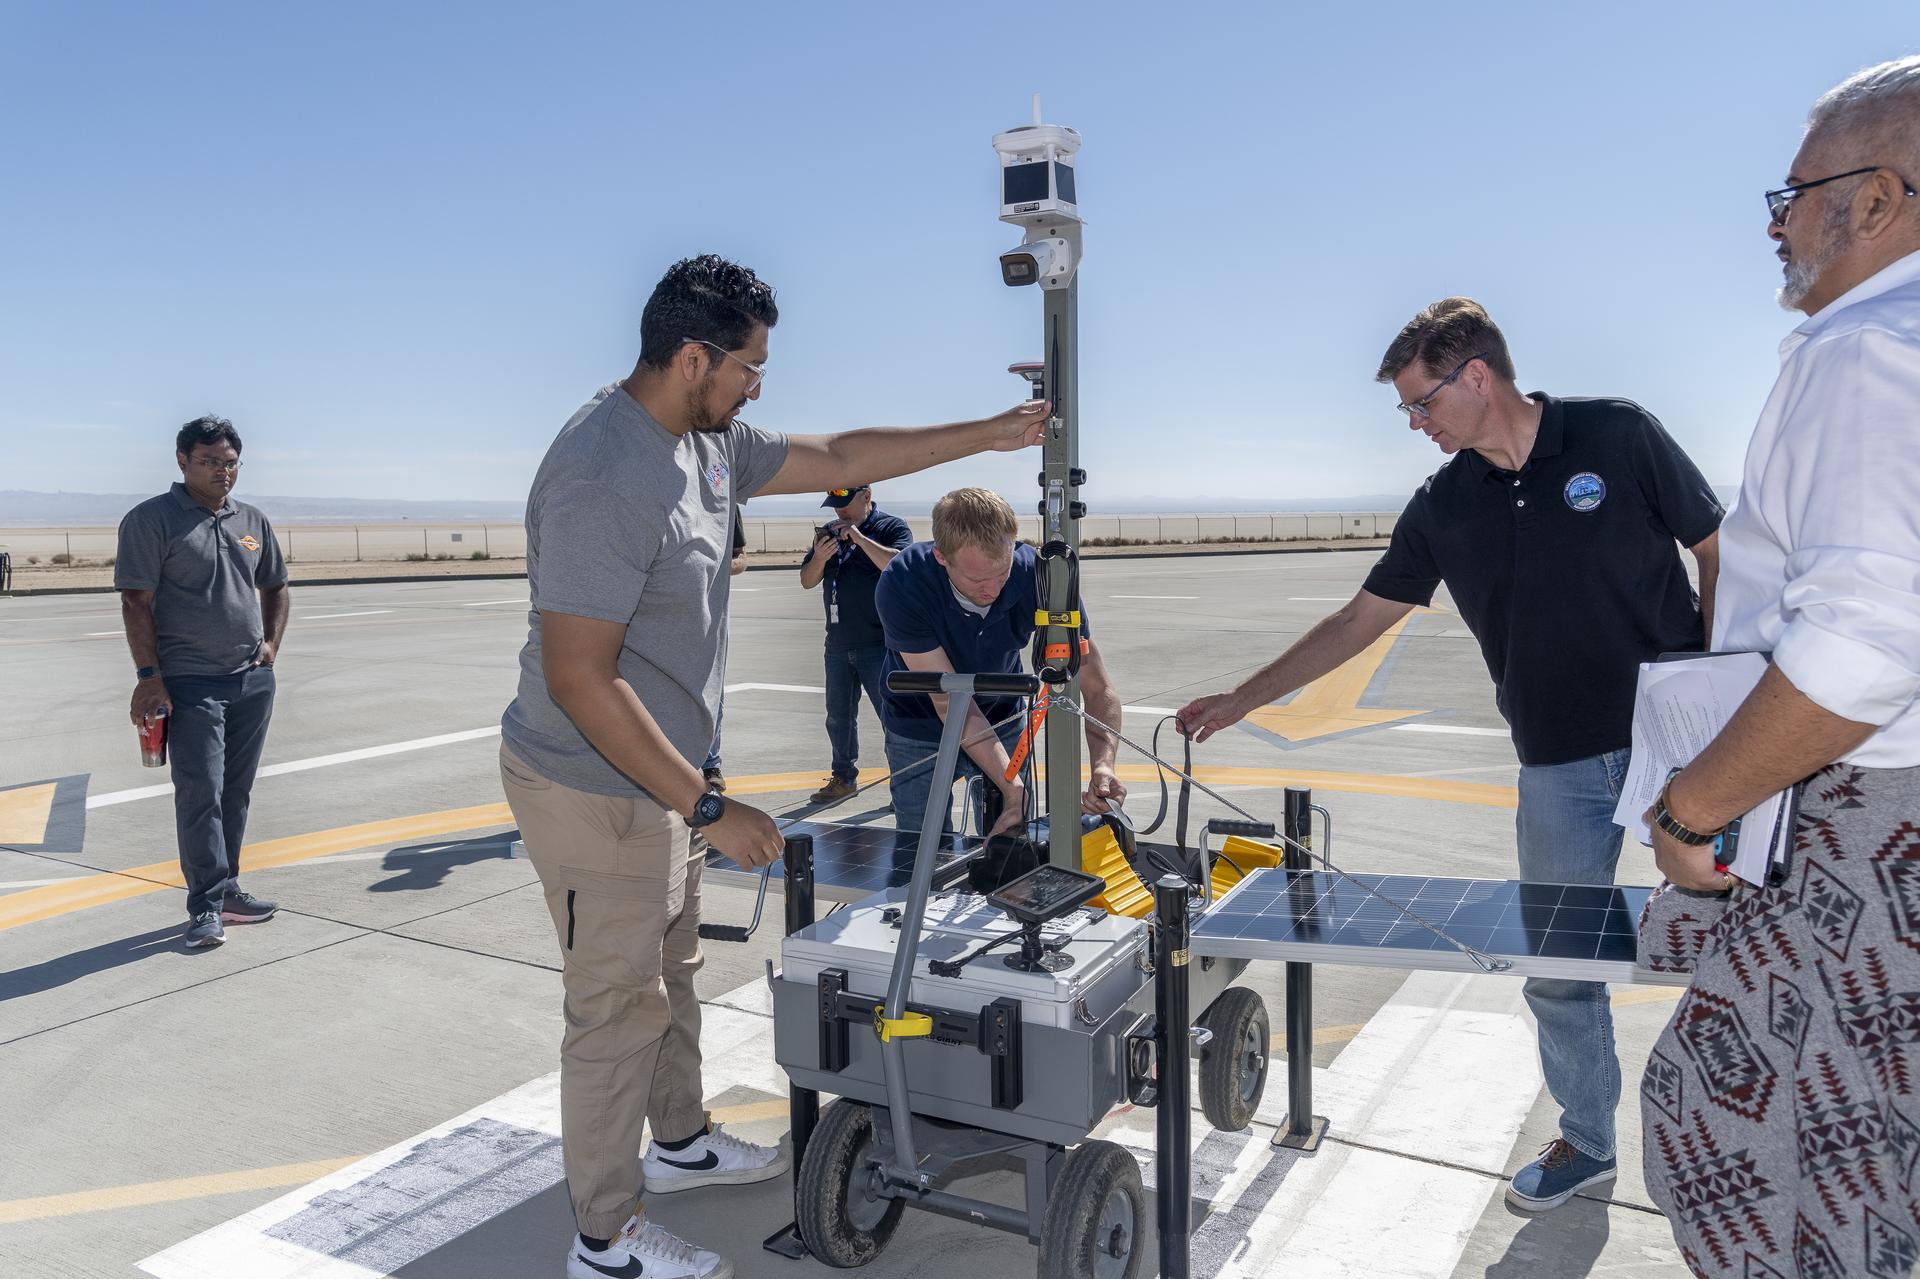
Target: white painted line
{"points": [[101, 634], [745, 590], [328, 617], [484, 603], [1148, 710], [738, 1051], [302, 765], [1317, 599], [776, 688], [1153, 597], [1458, 730], [8, 886]]}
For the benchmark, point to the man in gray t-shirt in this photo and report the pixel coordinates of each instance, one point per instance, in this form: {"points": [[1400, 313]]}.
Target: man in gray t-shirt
{"points": [[629, 534], [203, 595]]}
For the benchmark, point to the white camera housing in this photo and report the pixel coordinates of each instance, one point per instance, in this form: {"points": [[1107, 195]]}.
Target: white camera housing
{"points": [[1047, 261]]}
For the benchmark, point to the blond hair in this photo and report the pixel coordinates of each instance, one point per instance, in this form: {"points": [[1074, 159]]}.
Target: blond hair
{"points": [[973, 517]]}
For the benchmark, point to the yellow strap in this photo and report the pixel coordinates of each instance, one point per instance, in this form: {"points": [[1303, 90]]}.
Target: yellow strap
{"points": [[911, 1026], [1044, 618]]}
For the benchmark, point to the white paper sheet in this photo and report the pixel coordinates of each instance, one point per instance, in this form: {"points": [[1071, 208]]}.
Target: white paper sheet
{"points": [[1678, 708]]}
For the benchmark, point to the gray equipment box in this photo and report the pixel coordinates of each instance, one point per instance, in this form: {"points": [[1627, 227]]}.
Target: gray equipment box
{"points": [[1040, 1055]]}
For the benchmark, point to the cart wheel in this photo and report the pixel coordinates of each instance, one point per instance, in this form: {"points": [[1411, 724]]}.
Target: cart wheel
{"points": [[841, 1221], [1095, 1215], [1233, 1065]]}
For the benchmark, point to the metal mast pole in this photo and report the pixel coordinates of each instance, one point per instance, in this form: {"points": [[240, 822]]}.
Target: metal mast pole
{"points": [[1060, 512]]}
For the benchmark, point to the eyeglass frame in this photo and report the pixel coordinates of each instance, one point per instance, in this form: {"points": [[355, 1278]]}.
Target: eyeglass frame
{"points": [[759, 371], [213, 464], [1418, 408], [1780, 199]]}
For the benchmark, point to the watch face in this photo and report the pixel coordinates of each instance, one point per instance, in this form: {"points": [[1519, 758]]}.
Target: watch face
{"points": [[710, 807]]}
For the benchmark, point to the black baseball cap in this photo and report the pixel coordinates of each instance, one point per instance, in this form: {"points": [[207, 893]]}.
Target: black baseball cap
{"points": [[839, 499]]}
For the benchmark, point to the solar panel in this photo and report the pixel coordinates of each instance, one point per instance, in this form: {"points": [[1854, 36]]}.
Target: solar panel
{"points": [[1580, 932], [849, 862]]}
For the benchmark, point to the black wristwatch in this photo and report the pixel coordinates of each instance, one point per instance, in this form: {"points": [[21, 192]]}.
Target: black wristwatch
{"points": [[1672, 825], [146, 672], [709, 810]]}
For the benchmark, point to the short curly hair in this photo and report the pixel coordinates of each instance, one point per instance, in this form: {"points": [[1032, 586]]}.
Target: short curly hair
{"points": [[206, 429], [708, 299]]}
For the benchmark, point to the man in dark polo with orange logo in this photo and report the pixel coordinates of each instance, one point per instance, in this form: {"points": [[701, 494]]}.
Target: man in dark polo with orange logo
{"points": [[203, 595]]}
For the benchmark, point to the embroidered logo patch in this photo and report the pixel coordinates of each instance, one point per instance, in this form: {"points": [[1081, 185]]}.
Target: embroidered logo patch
{"points": [[249, 541], [1585, 491], [717, 476]]}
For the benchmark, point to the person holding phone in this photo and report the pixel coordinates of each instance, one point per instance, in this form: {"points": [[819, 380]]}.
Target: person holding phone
{"points": [[845, 561]]}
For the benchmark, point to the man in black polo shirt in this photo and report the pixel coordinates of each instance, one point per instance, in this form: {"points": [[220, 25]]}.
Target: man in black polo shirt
{"points": [[203, 596], [847, 557], [1555, 526]]}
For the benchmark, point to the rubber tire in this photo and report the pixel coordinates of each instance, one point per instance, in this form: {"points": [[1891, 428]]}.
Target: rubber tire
{"points": [[822, 1187], [1237, 1018], [1094, 1171]]}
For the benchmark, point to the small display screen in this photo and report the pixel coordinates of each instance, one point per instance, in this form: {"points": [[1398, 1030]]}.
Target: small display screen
{"points": [[1046, 891]]}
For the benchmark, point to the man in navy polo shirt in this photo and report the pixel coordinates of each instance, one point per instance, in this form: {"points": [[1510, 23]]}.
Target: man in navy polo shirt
{"points": [[847, 558], [965, 602], [1556, 527], [203, 596]]}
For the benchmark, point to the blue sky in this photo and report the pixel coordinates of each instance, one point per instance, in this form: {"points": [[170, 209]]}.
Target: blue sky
{"points": [[399, 244]]}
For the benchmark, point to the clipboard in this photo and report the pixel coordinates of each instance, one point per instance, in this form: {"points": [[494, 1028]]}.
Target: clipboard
{"points": [[1780, 858]]}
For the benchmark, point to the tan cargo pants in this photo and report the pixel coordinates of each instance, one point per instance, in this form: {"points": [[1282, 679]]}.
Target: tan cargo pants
{"points": [[622, 882]]}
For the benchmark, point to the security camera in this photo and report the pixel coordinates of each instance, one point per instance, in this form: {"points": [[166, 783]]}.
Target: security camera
{"points": [[1047, 261]]}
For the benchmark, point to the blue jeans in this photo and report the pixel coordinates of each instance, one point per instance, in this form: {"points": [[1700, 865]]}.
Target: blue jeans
{"points": [[912, 792], [214, 738], [848, 671], [1567, 836]]}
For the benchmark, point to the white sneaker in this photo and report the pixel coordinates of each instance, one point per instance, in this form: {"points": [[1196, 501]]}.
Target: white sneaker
{"points": [[715, 1158], [645, 1251]]}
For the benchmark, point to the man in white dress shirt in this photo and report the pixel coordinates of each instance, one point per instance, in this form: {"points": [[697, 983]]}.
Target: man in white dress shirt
{"points": [[1781, 1106]]}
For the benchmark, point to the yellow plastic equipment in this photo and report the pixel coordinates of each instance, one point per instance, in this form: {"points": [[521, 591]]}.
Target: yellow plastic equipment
{"points": [[1100, 855], [1247, 855]]}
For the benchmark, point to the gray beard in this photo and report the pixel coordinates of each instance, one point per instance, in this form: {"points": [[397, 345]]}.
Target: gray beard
{"points": [[1804, 269]]}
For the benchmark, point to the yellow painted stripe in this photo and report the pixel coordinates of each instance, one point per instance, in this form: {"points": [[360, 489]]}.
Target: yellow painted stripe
{"points": [[160, 1192], [1647, 995], [1322, 1036], [25, 812], [112, 1198], [35, 904]]}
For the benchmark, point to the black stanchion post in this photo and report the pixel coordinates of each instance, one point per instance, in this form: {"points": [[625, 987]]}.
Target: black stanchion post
{"points": [[1303, 1129], [803, 1104], [1173, 1118]]}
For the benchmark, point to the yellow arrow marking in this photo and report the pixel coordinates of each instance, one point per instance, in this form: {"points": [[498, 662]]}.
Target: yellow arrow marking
{"points": [[1331, 704], [24, 814]]}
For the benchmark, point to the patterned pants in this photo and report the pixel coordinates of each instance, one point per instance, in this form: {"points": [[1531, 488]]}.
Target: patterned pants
{"points": [[1781, 1106]]}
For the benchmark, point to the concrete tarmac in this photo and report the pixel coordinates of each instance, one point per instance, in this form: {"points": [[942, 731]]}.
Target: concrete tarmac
{"points": [[166, 1111]]}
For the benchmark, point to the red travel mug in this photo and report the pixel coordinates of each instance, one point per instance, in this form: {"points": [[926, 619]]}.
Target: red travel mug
{"points": [[153, 740]]}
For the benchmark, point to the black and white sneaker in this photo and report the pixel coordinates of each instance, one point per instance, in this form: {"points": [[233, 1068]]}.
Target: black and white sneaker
{"points": [[239, 907], [714, 1158], [645, 1251]]}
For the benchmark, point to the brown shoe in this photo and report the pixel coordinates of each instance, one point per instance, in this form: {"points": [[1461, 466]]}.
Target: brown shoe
{"points": [[715, 781], [836, 789]]}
